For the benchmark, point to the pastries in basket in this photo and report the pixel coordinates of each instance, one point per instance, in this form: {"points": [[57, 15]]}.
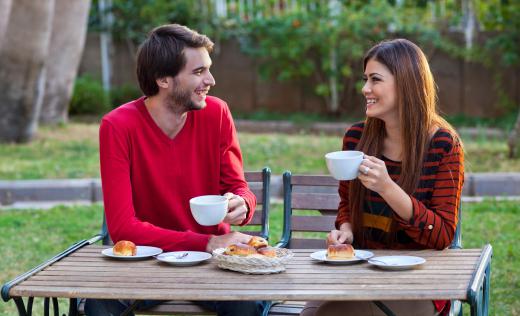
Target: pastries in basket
{"points": [[256, 246], [240, 250], [257, 242], [340, 252], [124, 248], [267, 251]]}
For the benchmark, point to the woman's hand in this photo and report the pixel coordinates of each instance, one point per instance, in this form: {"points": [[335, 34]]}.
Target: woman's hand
{"points": [[373, 174], [342, 236]]}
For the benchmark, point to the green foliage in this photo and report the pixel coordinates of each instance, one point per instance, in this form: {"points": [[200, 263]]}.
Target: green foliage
{"points": [[134, 19], [123, 94], [88, 97], [327, 43], [502, 17]]}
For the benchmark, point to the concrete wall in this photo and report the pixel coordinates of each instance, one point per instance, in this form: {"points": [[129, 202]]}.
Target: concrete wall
{"points": [[31, 193], [464, 87]]}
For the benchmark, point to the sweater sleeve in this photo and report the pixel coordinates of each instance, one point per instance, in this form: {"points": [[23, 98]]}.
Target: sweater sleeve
{"points": [[434, 225], [123, 224], [231, 167]]}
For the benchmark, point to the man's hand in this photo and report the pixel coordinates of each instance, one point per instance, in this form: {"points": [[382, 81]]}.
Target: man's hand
{"points": [[225, 240], [237, 209]]}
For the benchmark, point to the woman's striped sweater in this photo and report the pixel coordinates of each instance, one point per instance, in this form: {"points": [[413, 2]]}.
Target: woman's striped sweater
{"points": [[435, 201]]}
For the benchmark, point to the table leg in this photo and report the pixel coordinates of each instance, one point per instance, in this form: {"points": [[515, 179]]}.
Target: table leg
{"points": [[385, 309], [73, 307], [55, 306], [20, 306], [45, 306], [30, 305]]}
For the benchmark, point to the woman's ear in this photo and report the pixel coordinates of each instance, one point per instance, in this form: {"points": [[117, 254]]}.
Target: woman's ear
{"points": [[162, 82]]}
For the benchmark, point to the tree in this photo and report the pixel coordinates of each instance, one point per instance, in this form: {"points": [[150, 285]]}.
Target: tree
{"points": [[22, 73], [69, 30], [5, 10], [503, 49]]}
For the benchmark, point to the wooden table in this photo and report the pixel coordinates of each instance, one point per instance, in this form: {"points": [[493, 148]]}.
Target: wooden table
{"points": [[461, 274]]}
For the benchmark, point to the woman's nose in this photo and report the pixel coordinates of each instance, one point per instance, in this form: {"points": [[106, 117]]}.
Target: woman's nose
{"points": [[366, 89]]}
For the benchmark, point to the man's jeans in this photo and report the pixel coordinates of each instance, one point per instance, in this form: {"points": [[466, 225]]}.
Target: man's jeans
{"points": [[222, 308]]}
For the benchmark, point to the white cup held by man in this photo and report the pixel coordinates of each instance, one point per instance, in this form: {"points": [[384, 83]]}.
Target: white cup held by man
{"points": [[344, 165], [209, 210]]}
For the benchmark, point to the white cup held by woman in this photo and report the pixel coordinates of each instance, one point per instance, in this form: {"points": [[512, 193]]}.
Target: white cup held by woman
{"points": [[344, 165]]}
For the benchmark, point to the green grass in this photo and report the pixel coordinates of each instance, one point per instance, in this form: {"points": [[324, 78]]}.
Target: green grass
{"points": [[71, 151], [31, 236]]}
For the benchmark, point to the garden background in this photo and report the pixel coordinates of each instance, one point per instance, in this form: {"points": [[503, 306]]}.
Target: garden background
{"points": [[63, 64]]}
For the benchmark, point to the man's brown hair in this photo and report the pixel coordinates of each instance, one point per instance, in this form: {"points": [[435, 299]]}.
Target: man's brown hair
{"points": [[162, 54]]}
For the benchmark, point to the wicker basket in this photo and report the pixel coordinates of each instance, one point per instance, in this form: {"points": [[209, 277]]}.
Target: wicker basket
{"points": [[254, 264]]}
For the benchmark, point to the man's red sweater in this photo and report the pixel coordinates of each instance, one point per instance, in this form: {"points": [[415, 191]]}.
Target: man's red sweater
{"points": [[148, 178]]}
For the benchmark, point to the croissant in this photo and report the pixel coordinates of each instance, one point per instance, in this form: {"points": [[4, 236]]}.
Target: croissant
{"points": [[340, 252], [240, 250], [257, 242], [124, 248]]}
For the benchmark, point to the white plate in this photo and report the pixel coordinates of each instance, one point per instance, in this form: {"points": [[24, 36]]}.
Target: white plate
{"points": [[397, 262], [359, 255], [142, 252], [192, 257]]}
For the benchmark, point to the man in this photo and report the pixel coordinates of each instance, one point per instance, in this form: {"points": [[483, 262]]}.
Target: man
{"points": [[162, 149]]}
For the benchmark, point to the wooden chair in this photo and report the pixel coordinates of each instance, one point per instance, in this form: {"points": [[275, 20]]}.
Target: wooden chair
{"points": [[259, 183], [304, 193]]}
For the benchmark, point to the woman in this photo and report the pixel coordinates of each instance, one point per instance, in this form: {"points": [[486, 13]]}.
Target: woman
{"points": [[407, 193]]}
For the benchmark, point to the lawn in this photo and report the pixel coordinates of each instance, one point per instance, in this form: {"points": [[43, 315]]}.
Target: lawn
{"points": [[31, 236], [71, 151]]}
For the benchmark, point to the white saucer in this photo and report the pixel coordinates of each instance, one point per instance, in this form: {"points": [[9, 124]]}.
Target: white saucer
{"points": [[359, 255], [142, 252], [192, 257], [396, 262]]}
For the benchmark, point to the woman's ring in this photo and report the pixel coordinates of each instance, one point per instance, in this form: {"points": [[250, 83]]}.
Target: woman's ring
{"points": [[365, 170]]}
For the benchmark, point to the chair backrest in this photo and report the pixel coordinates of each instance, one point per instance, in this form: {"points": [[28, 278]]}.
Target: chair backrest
{"points": [[457, 239], [301, 194], [320, 193], [259, 183]]}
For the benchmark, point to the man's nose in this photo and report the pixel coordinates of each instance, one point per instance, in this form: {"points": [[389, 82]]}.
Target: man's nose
{"points": [[209, 80]]}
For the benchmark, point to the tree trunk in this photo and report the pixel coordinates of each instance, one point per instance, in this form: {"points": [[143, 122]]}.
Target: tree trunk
{"points": [[69, 29], [22, 72], [5, 10], [514, 139]]}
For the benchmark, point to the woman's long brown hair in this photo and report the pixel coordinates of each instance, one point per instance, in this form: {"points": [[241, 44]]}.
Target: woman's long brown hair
{"points": [[417, 105]]}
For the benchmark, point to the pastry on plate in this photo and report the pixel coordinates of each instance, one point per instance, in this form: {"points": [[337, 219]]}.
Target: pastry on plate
{"points": [[340, 252], [124, 248]]}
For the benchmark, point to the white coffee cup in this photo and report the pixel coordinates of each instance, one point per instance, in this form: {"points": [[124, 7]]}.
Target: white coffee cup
{"points": [[344, 165], [209, 210]]}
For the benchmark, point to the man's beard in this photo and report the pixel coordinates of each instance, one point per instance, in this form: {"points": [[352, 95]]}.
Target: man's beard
{"points": [[180, 99]]}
